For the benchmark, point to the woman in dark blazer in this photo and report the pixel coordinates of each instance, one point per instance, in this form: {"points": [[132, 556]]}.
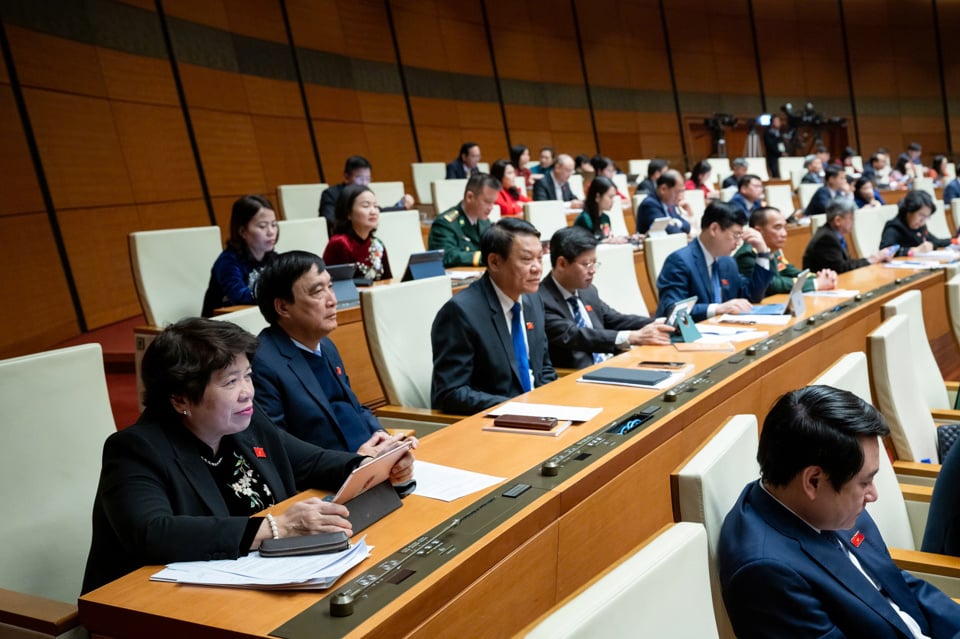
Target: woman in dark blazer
{"points": [[185, 481], [909, 227]]}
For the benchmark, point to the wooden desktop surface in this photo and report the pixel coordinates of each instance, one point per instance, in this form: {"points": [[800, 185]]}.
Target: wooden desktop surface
{"points": [[568, 534]]}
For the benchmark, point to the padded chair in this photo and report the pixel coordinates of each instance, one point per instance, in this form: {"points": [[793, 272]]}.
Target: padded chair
{"points": [[780, 196], [620, 180], [637, 199], [249, 319], [816, 221], [707, 487], [618, 225], [388, 193], [924, 184], [547, 215], [661, 590], [303, 235], [638, 168], [56, 418], [954, 212], [494, 214], [805, 193], [400, 233], [396, 320], [857, 162], [424, 175], [655, 252], [171, 269], [483, 167], [576, 186], [300, 201], [791, 168], [758, 167], [937, 223], [616, 280], [447, 193], [720, 165], [697, 201], [953, 305], [868, 228], [727, 194]]}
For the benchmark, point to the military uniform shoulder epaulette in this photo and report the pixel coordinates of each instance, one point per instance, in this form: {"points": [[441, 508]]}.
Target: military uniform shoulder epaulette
{"points": [[451, 215]]}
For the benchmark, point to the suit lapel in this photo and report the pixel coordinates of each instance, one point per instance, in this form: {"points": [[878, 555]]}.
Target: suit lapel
{"points": [[701, 272], [591, 302], [499, 320], [195, 471], [531, 318]]}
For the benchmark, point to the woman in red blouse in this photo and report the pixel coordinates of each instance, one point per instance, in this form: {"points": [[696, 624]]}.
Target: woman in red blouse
{"points": [[353, 241], [510, 199], [700, 176], [520, 158]]}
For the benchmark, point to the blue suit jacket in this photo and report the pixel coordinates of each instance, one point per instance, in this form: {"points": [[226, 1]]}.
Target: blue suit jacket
{"points": [[685, 274], [819, 202], [474, 366], [290, 395], [741, 203], [780, 578], [650, 209], [951, 191]]}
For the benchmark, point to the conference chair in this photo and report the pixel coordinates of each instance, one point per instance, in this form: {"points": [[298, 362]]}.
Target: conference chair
{"points": [[638, 168], [805, 193], [249, 319], [780, 197], [857, 162], [388, 193], [494, 214], [303, 235], [938, 223], [726, 194], [758, 167], [616, 280], [816, 221], [868, 228], [57, 415], [791, 168], [576, 186], [655, 252], [924, 184], [697, 201], [447, 193], [424, 175], [707, 487], [662, 589], [396, 321], [954, 213], [483, 167], [171, 270], [720, 166], [953, 306], [637, 199], [300, 201], [620, 181], [548, 216], [400, 233], [618, 225]]}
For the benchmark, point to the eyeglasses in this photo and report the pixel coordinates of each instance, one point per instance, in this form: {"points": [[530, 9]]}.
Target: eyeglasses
{"points": [[592, 264], [738, 235]]}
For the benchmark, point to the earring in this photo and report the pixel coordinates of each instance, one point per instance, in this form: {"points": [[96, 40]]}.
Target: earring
{"points": [[185, 411]]}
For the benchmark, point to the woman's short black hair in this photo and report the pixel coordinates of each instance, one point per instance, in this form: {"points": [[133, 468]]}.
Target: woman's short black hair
{"points": [[243, 211], [181, 360], [913, 202], [341, 214]]}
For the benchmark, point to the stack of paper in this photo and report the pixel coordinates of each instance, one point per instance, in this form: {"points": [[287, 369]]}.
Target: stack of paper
{"points": [[307, 572]]}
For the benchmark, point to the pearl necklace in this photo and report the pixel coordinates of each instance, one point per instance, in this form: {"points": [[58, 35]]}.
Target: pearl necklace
{"points": [[210, 463]]}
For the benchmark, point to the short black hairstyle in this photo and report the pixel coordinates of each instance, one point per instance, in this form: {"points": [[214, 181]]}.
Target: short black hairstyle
{"points": [[724, 214], [181, 360], [832, 171], [861, 181], [656, 166], [914, 146], [341, 214], [465, 148], [355, 162], [570, 242], [478, 181], [746, 179], [912, 202], [276, 280], [817, 426], [499, 238], [600, 162], [758, 217], [669, 178]]}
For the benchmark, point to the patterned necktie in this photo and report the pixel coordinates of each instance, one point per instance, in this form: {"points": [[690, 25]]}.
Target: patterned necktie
{"points": [[520, 348], [715, 277], [578, 318]]}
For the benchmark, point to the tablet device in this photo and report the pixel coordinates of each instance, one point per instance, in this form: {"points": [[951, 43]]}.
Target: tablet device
{"points": [[344, 287], [423, 265], [683, 305], [370, 474], [659, 226]]}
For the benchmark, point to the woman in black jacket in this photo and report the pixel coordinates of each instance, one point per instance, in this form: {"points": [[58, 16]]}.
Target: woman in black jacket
{"points": [[909, 227]]}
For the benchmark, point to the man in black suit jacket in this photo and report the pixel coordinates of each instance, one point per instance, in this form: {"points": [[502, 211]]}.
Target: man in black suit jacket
{"points": [[489, 343], [828, 247], [581, 328], [555, 184], [466, 163], [654, 170], [664, 203], [835, 187], [356, 171]]}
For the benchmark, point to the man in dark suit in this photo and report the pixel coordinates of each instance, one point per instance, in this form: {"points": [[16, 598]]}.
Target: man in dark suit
{"points": [[773, 146], [581, 328], [654, 170], [835, 186], [705, 269], [739, 167], [466, 163], [489, 343], [664, 203], [798, 555], [458, 230], [356, 171], [828, 246], [301, 382], [749, 196], [951, 192], [555, 184], [814, 166]]}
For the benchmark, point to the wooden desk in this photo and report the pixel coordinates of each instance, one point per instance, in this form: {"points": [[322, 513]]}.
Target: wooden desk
{"points": [[566, 533]]}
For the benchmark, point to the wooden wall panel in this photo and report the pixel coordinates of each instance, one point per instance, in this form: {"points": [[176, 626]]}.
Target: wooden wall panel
{"points": [[18, 181], [49, 62], [949, 17]]}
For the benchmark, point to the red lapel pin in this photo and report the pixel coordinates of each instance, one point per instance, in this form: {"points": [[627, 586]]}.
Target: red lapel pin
{"points": [[857, 539], [339, 371], [724, 282], [529, 326], [589, 308], [259, 452]]}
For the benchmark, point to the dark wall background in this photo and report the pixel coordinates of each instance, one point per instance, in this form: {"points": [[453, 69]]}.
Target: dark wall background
{"points": [[125, 115]]}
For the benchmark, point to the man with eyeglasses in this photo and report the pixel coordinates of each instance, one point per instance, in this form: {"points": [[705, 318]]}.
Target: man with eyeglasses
{"points": [[581, 328], [705, 269]]}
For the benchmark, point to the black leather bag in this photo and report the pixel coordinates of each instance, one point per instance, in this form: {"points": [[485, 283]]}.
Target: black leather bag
{"points": [[947, 436]]}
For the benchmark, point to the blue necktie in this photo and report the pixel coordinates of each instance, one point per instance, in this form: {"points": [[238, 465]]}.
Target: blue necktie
{"points": [[578, 318], [843, 243], [520, 348], [715, 276]]}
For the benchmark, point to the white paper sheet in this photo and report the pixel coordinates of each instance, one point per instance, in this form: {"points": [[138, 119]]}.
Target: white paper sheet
{"points": [[838, 292], [463, 275], [447, 483], [914, 265], [770, 320], [572, 413]]}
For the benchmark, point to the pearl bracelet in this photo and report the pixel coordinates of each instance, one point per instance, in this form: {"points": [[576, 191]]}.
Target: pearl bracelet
{"points": [[273, 526]]}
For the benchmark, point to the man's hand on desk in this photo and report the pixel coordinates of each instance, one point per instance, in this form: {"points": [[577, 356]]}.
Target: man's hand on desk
{"points": [[826, 280], [734, 307], [656, 333]]}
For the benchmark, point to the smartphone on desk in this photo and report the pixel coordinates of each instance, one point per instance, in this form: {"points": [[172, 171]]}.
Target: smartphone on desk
{"points": [[654, 364]]}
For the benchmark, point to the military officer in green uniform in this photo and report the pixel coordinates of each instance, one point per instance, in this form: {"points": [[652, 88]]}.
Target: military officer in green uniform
{"points": [[772, 225], [458, 230]]}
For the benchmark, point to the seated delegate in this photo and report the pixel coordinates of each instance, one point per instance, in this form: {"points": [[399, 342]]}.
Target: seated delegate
{"points": [[185, 482], [354, 240], [827, 248], [253, 236], [600, 198], [909, 227], [357, 170], [510, 199]]}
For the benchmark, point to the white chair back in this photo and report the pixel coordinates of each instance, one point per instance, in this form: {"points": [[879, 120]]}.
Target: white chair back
{"points": [[171, 269], [791, 168], [495, 214], [447, 193], [662, 590], [300, 201], [655, 252], [937, 223], [249, 319], [816, 221], [951, 170], [758, 167], [548, 216], [955, 212], [425, 174], [925, 368], [953, 306], [924, 184], [576, 186], [397, 319], [620, 180], [720, 165], [726, 194], [57, 415], [857, 162], [303, 235], [638, 168], [708, 487], [616, 280], [483, 167], [780, 197], [618, 225], [805, 193], [400, 233], [698, 205], [911, 427], [388, 193], [637, 199], [868, 228]]}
